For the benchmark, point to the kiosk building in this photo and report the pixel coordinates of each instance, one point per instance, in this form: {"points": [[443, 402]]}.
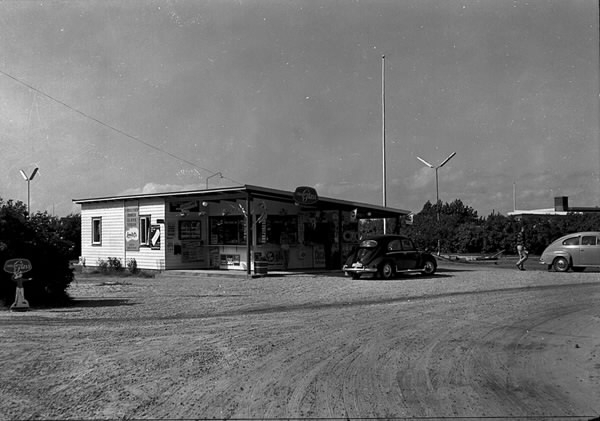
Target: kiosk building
{"points": [[225, 228]]}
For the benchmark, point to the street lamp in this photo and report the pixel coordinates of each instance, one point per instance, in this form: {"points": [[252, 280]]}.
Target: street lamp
{"points": [[437, 189], [211, 176], [28, 179]]}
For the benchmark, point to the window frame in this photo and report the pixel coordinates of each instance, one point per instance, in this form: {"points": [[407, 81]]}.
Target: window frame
{"points": [[572, 241], [407, 244], [144, 230], [96, 231], [586, 238]]}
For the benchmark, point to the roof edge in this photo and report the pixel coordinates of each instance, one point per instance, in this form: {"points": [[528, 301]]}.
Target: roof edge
{"points": [[246, 188]]}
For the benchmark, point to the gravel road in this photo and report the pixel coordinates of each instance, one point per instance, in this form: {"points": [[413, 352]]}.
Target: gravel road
{"points": [[471, 341]]}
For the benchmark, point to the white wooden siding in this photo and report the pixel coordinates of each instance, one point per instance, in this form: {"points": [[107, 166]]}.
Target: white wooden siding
{"points": [[145, 257], [113, 233], [113, 227]]}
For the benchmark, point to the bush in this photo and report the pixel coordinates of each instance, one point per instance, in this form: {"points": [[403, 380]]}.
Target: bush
{"points": [[38, 239], [132, 266], [102, 265], [114, 264]]}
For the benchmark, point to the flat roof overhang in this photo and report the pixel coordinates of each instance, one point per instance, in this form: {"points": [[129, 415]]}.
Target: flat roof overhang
{"points": [[364, 210]]}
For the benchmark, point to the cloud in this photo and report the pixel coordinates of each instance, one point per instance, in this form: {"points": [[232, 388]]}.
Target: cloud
{"points": [[150, 188]]}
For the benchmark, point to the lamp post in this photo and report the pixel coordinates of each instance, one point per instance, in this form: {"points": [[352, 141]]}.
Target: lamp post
{"points": [[437, 189], [211, 176], [28, 179]]}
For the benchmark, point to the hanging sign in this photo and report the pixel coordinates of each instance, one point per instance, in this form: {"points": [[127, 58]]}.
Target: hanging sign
{"points": [[306, 196]]}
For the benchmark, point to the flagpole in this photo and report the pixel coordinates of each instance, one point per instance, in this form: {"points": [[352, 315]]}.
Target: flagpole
{"points": [[383, 136]]}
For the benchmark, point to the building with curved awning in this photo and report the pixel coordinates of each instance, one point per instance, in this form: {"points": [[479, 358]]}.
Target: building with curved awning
{"points": [[225, 228]]}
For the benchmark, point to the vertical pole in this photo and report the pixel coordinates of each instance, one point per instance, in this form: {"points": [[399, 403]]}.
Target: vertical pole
{"points": [[437, 207], [437, 192], [28, 199], [340, 238], [383, 136], [248, 236]]}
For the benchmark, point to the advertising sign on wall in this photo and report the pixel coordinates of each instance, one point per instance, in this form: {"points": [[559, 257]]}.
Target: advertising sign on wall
{"points": [[132, 232], [155, 237]]}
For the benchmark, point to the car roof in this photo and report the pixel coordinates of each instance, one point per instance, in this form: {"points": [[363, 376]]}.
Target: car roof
{"points": [[576, 234]]}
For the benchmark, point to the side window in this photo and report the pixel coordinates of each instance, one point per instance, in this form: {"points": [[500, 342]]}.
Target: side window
{"points": [[588, 240], [407, 244], [97, 231], [573, 241], [145, 230], [394, 245]]}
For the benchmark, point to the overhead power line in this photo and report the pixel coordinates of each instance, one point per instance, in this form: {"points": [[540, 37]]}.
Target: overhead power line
{"points": [[121, 132]]}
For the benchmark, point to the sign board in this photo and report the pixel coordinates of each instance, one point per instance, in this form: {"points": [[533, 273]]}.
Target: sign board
{"points": [[132, 231], [17, 266], [306, 196], [155, 237]]}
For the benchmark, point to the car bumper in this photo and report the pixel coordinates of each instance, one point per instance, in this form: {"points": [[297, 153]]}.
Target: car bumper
{"points": [[359, 269]]}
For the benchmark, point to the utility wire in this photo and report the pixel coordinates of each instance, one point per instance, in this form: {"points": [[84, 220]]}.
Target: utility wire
{"points": [[121, 132]]}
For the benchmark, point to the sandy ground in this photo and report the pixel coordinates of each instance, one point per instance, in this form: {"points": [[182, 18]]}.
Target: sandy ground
{"points": [[470, 341]]}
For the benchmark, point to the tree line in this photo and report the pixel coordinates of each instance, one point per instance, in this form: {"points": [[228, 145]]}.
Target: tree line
{"points": [[460, 230]]}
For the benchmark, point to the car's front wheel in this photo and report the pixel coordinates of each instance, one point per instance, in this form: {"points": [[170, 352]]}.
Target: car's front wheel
{"points": [[560, 264], [386, 271], [429, 267]]}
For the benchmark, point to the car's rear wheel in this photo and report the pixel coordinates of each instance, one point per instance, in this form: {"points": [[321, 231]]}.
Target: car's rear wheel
{"points": [[386, 271], [429, 267], [560, 264]]}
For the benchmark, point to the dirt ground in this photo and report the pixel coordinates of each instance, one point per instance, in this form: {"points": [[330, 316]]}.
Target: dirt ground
{"points": [[471, 341]]}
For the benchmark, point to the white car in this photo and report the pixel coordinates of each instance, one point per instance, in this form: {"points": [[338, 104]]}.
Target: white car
{"points": [[575, 251]]}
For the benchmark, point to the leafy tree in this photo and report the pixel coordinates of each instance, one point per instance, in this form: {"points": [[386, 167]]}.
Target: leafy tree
{"points": [[37, 238], [460, 230]]}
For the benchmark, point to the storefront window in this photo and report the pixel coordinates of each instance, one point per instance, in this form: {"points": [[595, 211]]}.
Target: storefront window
{"points": [[190, 230], [271, 231], [227, 230]]}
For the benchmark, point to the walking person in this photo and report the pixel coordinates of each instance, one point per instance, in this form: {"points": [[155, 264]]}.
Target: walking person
{"points": [[521, 249]]}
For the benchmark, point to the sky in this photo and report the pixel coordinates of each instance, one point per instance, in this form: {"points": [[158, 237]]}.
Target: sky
{"points": [[139, 96]]}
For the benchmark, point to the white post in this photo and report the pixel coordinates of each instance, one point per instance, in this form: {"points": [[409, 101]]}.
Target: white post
{"points": [[383, 137]]}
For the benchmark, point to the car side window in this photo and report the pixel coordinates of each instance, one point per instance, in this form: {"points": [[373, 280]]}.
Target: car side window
{"points": [[394, 245], [573, 241], [407, 244], [588, 240]]}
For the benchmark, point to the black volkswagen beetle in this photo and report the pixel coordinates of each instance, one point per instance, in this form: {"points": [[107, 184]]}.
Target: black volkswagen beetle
{"points": [[386, 255]]}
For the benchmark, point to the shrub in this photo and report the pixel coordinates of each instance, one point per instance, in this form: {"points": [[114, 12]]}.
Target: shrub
{"points": [[132, 266], [114, 264], [36, 238], [102, 265]]}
